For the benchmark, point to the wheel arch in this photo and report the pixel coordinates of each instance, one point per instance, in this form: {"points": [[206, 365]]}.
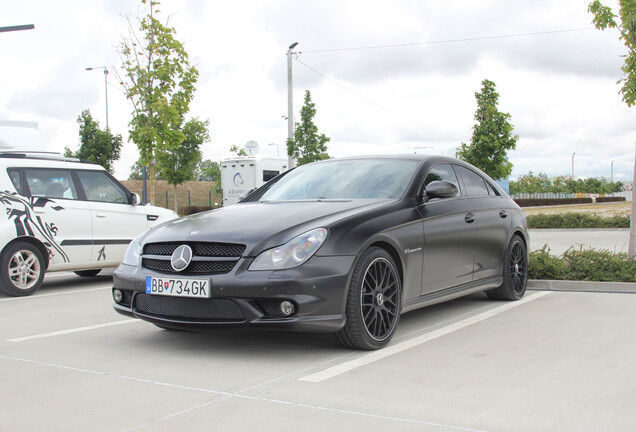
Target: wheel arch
{"points": [[35, 242], [390, 249]]}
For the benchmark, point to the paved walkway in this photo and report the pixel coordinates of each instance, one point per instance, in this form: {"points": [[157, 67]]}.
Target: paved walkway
{"points": [[560, 240]]}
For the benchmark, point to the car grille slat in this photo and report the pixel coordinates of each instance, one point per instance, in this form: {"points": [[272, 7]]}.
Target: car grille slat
{"points": [[208, 258], [178, 308]]}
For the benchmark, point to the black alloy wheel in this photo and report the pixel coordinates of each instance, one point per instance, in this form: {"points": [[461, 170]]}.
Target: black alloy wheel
{"points": [[515, 272], [373, 303]]}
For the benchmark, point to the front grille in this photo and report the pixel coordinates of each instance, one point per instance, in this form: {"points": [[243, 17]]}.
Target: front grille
{"points": [[196, 309], [208, 258], [199, 249]]}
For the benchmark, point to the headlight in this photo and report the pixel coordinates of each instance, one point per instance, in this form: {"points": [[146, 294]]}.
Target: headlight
{"points": [[291, 254], [131, 257]]}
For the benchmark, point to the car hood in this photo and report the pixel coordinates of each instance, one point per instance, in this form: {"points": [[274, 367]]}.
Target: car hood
{"points": [[259, 226]]}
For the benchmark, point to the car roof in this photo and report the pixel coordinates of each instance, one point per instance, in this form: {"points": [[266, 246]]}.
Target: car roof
{"points": [[44, 160]]}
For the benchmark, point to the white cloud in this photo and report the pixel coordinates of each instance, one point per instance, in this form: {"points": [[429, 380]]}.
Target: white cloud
{"points": [[560, 88]]}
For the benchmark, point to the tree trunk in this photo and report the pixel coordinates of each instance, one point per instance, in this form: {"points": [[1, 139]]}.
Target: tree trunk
{"points": [[176, 205], [632, 225], [152, 181]]}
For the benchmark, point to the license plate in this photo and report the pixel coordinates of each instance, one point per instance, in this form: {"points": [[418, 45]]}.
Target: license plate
{"points": [[178, 287]]}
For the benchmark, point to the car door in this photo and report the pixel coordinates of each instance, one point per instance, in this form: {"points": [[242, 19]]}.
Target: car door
{"points": [[450, 234], [492, 220], [115, 221], [55, 215]]}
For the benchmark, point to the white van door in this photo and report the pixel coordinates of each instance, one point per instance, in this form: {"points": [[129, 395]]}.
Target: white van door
{"points": [[55, 215], [115, 221]]}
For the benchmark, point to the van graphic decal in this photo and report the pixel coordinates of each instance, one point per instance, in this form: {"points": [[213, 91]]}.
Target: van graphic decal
{"points": [[20, 209]]}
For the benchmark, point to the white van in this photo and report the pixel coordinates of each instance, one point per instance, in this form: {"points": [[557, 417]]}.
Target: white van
{"points": [[59, 213]]}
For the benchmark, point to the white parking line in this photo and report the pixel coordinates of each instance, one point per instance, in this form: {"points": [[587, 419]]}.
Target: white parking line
{"points": [[397, 348], [75, 330], [37, 296]]}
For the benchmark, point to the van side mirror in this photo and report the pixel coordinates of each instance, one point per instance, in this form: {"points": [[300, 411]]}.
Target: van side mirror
{"points": [[136, 199]]}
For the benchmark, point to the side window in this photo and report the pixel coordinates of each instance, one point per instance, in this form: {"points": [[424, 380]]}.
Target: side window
{"points": [[491, 190], [443, 172], [268, 175], [16, 179], [473, 182], [99, 187], [50, 183]]}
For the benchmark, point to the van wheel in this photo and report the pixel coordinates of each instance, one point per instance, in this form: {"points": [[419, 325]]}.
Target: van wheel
{"points": [[88, 273], [21, 269]]}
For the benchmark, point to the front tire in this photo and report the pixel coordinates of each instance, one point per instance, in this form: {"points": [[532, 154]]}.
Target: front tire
{"points": [[374, 302], [515, 272], [22, 268]]}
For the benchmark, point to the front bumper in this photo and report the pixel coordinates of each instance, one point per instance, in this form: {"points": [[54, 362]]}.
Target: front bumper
{"points": [[241, 298]]}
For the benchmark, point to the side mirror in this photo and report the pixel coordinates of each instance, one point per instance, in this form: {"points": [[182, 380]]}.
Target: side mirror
{"points": [[246, 193], [439, 189], [136, 199]]}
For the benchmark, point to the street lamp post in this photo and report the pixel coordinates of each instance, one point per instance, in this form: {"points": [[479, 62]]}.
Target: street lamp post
{"points": [[290, 103], [105, 88], [612, 172], [573, 165]]}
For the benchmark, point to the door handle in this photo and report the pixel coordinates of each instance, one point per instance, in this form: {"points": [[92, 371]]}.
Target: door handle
{"points": [[503, 214], [470, 218], [100, 215]]}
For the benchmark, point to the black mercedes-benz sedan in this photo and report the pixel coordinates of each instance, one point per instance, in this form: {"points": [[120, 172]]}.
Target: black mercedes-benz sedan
{"points": [[342, 245]]}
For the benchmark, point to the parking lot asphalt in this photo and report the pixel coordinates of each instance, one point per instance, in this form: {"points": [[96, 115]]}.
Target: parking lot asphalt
{"points": [[552, 361]]}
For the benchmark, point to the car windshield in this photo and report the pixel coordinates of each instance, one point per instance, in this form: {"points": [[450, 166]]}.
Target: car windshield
{"points": [[344, 179]]}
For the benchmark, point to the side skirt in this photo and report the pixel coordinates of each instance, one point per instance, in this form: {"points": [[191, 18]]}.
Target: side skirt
{"points": [[452, 293]]}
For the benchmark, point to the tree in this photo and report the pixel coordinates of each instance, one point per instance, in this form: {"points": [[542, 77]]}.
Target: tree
{"points": [[159, 81], [209, 171], [492, 136], [178, 164], [239, 151], [96, 145], [137, 173], [307, 145], [604, 18]]}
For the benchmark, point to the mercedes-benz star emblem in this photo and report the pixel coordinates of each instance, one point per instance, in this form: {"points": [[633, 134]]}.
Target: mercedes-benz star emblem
{"points": [[181, 257]]}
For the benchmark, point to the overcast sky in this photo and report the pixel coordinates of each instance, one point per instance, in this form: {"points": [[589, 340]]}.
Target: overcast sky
{"points": [[386, 76]]}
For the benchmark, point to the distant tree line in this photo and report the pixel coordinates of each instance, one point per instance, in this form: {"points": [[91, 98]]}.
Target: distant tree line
{"points": [[529, 183]]}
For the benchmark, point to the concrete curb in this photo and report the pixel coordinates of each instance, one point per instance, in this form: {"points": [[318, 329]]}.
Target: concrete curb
{"points": [[582, 286]]}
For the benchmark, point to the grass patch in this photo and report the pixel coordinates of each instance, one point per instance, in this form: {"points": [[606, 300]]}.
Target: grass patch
{"points": [[577, 220], [582, 265]]}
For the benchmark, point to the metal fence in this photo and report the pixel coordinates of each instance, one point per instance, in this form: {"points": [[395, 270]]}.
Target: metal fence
{"points": [[550, 195]]}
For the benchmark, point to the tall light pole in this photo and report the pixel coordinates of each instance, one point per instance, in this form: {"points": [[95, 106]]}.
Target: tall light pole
{"points": [[105, 87], [612, 172], [290, 103], [573, 165]]}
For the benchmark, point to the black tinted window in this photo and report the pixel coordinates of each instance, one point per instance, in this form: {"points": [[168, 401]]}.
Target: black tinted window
{"points": [[473, 182], [50, 183], [16, 179], [442, 172]]}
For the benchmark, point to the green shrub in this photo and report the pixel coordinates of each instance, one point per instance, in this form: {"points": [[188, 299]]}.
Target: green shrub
{"points": [[577, 220], [582, 265]]}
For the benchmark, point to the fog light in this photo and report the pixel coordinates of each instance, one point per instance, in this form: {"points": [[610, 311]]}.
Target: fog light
{"points": [[287, 308], [118, 296]]}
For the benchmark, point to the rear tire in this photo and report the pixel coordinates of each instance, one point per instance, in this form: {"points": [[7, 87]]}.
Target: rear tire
{"points": [[515, 272], [374, 302], [88, 273], [22, 268]]}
